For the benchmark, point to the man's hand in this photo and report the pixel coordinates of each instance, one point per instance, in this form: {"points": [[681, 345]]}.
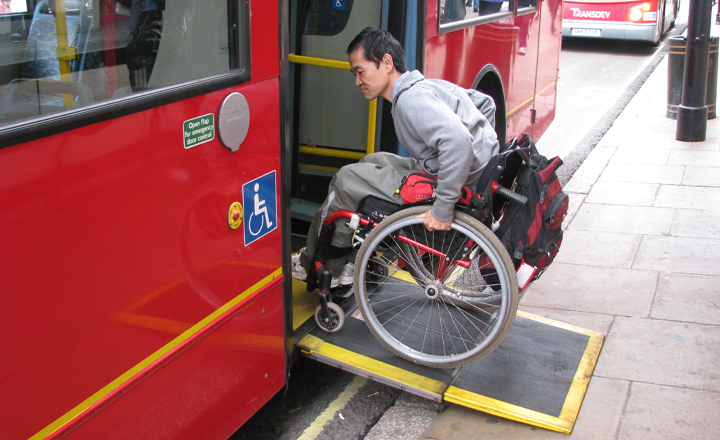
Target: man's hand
{"points": [[433, 224]]}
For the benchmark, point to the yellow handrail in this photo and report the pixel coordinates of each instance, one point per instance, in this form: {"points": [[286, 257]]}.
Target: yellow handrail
{"points": [[65, 52], [322, 62], [372, 112], [319, 151]]}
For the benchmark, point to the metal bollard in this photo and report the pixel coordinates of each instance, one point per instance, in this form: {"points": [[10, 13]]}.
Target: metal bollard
{"points": [[676, 70], [692, 112], [712, 81]]}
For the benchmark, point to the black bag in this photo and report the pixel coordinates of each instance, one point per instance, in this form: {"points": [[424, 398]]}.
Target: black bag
{"points": [[532, 233], [377, 209]]}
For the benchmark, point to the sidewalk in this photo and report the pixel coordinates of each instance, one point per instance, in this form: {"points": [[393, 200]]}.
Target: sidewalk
{"points": [[640, 263]]}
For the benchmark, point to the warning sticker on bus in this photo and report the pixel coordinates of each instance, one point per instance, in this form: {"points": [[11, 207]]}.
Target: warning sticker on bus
{"points": [[199, 130]]}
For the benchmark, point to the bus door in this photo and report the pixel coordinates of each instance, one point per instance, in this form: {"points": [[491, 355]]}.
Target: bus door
{"points": [[333, 124], [141, 235], [543, 21], [524, 56]]}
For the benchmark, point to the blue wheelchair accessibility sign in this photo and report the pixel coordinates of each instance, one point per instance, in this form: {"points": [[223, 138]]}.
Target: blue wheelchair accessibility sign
{"points": [[260, 206]]}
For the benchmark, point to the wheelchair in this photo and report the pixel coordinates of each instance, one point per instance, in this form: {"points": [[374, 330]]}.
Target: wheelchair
{"points": [[441, 299]]}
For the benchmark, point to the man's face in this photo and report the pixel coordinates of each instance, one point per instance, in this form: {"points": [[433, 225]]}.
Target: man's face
{"points": [[373, 81]]}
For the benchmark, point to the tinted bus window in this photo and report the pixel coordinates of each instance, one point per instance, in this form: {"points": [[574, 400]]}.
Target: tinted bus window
{"points": [[527, 5], [68, 54], [327, 18], [458, 10]]}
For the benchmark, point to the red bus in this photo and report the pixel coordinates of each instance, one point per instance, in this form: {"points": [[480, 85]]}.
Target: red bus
{"points": [[142, 298], [623, 20]]}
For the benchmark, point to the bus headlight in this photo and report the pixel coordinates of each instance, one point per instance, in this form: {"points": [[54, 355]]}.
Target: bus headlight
{"points": [[637, 13]]}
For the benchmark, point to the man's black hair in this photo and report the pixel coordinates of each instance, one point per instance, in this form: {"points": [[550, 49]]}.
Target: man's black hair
{"points": [[376, 43]]}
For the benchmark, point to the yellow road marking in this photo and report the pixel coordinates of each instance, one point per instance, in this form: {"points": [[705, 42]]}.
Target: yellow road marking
{"points": [[317, 426]]}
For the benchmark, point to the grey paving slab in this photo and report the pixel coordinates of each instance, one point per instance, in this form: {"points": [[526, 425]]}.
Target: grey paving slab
{"points": [[667, 174], [623, 193], [662, 352], [701, 176], [604, 401], [646, 155], [698, 158], [603, 290], [617, 133], [591, 248], [650, 139], [665, 413], [591, 169], [711, 144], [622, 219], [687, 298], [692, 197], [696, 223], [576, 201], [679, 255], [655, 123]]}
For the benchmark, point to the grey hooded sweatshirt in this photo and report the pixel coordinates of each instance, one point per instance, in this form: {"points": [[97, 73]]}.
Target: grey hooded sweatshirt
{"points": [[439, 124]]}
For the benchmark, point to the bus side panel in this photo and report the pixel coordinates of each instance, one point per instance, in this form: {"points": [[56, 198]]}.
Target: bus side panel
{"points": [[549, 60], [116, 241], [516, 47], [213, 386], [458, 56]]}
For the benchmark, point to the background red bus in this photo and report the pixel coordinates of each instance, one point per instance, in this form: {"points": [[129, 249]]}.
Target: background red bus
{"points": [[623, 20], [142, 296]]}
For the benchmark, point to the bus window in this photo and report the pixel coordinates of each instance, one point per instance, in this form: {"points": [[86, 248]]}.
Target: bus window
{"points": [[8, 7], [73, 53], [452, 11], [526, 6], [332, 122], [327, 18]]}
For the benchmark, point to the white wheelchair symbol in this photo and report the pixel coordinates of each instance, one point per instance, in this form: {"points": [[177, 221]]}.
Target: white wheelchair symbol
{"points": [[261, 211], [339, 4]]}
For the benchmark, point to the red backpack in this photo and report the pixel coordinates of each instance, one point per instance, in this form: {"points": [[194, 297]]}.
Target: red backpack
{"points": [[532, 233]]}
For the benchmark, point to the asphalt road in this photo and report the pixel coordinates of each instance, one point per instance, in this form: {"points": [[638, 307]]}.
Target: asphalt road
{"points": [[597, 80]]}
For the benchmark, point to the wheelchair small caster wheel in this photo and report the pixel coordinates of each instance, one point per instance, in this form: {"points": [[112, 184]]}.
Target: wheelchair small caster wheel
{"points": [[331, 323]]}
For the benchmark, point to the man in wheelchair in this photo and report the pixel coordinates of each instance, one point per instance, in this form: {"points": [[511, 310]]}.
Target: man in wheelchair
{"points": [[447, 129]]}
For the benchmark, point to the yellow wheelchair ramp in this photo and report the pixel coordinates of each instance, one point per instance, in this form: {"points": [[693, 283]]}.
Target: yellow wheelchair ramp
{"points": [[538, 375]]}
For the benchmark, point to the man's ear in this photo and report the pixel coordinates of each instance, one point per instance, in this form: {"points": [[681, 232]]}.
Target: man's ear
{"points": [[388, 61]]}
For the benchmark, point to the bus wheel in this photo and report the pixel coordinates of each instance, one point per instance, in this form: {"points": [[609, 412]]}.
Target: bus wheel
{"points": [[335, 319]]}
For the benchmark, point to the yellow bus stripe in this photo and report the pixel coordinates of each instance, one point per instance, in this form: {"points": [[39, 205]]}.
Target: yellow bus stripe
{"points": [[529, 100], [150, 360]]}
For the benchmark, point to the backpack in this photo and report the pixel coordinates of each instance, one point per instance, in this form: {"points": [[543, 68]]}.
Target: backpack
{"points": [[532, 233]]}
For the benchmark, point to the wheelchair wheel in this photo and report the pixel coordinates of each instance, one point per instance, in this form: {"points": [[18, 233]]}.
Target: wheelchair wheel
{"points": [[335, 319], [426, 295]]}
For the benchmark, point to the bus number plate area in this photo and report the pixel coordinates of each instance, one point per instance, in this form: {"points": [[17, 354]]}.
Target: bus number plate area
{"points": [[586, 32]]}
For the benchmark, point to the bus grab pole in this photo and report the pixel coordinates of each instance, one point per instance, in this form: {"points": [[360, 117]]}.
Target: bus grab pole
{"points": [[692, 112], [65, 52]]}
